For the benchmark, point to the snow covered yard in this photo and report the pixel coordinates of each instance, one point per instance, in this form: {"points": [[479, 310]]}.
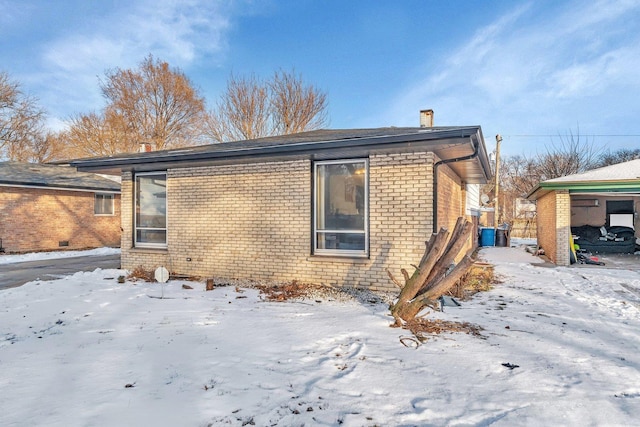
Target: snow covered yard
{"points": [[86, 350]]}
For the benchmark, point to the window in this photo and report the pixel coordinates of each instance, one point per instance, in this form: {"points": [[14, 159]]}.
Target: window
{"points": [[341, 208], [103, 204], [151, 210]]}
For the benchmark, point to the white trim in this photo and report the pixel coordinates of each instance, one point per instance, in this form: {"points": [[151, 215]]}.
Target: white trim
{"points": [[43, 187], [341, 252], [137, 244], [113, 206]]}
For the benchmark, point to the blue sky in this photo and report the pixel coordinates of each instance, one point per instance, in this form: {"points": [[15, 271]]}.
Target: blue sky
{"points": [[529, 70]]}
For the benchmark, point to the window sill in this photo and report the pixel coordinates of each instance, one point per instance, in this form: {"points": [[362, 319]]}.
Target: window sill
{"points": [[149, 250], [349, 259]]}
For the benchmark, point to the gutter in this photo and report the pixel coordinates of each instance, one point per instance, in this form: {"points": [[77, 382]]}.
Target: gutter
{"points": [[59, 187], [578, 187], [435, 179]]}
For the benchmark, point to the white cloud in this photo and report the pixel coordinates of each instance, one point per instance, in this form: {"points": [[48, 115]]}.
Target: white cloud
{"points": [[532, 69], [174, 31], [180, 33]]}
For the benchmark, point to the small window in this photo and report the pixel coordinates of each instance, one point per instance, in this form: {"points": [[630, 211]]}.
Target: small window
{"points": [[151, 210], [103, 204], [341, 208]]}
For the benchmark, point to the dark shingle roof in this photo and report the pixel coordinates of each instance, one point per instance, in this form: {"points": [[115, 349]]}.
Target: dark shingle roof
{"points": [[447, 142], [52, 176]]}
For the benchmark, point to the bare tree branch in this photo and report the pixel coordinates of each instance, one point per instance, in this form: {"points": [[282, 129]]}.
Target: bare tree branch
{"points": [[253, 108], [21, 121], [622, 155], [154, 103]]}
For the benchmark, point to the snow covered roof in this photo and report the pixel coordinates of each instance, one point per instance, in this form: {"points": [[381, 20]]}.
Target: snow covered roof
{"points": [[622, 177], [620, 172]]}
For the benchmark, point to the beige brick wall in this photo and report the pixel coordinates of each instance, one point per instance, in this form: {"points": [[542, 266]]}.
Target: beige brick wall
{"points": [[254, 221], [34, 219], [563, 226], [546, 224], [134, 257], [451, 206]]}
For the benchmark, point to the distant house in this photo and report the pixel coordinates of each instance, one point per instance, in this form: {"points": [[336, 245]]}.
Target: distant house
{"points": [[46, 207], [336, 207], [599, 207]]}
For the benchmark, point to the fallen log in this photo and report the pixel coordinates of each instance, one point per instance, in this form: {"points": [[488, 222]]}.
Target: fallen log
{"points": [[433, 276]]}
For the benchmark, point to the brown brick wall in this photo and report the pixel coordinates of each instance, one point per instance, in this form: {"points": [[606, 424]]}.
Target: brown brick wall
{"points": [[554, 225], [546, 224], [254, 221], [38, 219]]}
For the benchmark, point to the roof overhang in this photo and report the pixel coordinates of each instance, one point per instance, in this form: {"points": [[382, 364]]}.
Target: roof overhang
{"points": [[620, 186], [446, 144], [60, 187]]}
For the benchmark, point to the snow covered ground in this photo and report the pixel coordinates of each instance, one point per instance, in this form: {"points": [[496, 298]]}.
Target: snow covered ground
{"points": [[36, 256], [86, 350]]}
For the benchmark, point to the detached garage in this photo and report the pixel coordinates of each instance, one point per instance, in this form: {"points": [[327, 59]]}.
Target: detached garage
{"points": [[600, 207]]}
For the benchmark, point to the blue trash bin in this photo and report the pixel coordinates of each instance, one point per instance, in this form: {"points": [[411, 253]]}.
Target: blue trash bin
{"points": [[487, 237]]}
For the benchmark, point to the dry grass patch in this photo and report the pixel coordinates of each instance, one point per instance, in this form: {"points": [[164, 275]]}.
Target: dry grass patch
{"points": [[423, 328], [140, 273], [479, 278], [289, 291]]}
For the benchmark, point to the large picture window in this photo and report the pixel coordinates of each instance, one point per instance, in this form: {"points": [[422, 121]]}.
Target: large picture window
{"points": [[341, 207], [103, 204], [151, 210]]}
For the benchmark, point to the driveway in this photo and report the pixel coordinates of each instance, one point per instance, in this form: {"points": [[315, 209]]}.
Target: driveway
{"points": [[17, 274]]}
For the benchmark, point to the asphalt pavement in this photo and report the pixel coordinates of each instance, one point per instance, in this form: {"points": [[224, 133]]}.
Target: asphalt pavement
{"points": [[19, 273]]}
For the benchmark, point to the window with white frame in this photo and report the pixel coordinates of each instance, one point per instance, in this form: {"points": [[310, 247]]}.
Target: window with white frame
{"points": [[341, 207], [151, 210], [103, 204]]}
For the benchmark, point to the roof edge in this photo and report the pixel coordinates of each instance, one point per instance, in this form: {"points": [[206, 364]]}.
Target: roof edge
{"points": [[187, 153]]}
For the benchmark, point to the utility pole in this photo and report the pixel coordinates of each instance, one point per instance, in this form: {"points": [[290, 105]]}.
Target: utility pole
{"points": [[496, 213]]}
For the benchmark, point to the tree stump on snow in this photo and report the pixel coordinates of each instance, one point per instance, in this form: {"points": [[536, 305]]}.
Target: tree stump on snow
{"points": [[432, 277]]}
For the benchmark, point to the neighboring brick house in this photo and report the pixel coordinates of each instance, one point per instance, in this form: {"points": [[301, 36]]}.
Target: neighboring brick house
{"points": [[570, 205], [46, 207], [337, 207]]}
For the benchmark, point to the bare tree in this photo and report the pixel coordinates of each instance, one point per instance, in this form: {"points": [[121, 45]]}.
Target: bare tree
{"points": [[569, 156], [21, 121], [296, 107], [47, 147], [622, 155], [519, 175], [154, 103], [253, 108], [243, 111], [99, 135]]}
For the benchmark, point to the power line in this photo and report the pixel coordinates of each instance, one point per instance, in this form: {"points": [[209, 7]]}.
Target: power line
{"points": [[582, 134]]}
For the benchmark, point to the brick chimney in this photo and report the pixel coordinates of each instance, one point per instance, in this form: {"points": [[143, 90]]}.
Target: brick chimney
{"points": [[145, 147], [426, 118]]}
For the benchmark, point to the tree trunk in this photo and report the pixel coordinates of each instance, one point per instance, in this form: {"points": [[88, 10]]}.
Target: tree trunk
{"points": [[431, 278]]}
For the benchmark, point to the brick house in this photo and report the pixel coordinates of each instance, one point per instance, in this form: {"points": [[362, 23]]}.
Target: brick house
{"points": [[328, 206], [570, 205], [46, 207]]}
